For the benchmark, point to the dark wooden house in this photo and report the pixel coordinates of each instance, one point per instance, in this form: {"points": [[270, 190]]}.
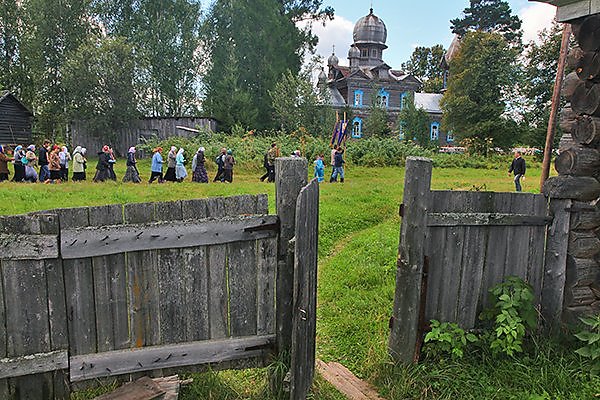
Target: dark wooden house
{"points": [[15, 121]]}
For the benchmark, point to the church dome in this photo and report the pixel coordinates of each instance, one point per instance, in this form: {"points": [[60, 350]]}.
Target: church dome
{"points": [[354, 52], [333, 60], [370, 30]]}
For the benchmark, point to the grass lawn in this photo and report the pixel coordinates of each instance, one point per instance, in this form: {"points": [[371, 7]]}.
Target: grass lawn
{"points": [[359, 230]]}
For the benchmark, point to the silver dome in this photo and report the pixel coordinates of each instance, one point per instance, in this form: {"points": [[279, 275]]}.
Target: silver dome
{"points": [[354, 52], [370, 30], [333, 60]]}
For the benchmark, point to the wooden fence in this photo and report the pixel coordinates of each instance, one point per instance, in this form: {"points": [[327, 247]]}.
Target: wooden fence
{"points": [[456, 245], [98, 292]]}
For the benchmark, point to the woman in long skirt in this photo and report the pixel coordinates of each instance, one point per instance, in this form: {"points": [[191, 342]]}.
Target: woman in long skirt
{"points": [[79, 164], [132, 174], [102, 171], [18, 156], [199, 170], [171, 164], [180, 172]]}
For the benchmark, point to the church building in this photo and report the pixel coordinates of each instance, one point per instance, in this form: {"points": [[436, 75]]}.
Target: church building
{"points": [[369, 79]]}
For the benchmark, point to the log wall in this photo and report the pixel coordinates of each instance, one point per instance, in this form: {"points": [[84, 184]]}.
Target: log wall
{"points": [[578, 166]]}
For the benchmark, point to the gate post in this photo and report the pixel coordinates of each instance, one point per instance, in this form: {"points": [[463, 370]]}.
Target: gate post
{"points": [[291, 175], [405, 329]]}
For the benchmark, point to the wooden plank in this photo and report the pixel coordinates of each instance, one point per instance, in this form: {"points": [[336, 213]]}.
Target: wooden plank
{"points": [[34, 364], [267, 273], [240, 205], [517, 251], [305, 292], [172, 319], [98, 241], [111, 214], [79, 289], [574, 10], [142, 389], [195, 277], [346, 382], [144, 295], [218, 298], [537, 244], [168, 356], [110, 299], [242, 274], [215, 207], [169, 211], [556, 262], [138, 213], [4, 383], [72, 217], [194, 209], [262, 204], [404, 335], [20, 224], [28, 247], [291, 175], [494, 219]]}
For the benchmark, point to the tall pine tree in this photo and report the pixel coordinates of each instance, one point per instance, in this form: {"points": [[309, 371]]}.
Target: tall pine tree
{"points": [[489, 16]]}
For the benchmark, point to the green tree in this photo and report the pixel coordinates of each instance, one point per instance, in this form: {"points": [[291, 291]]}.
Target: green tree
{"points": [[98, 80], [415, 123], [298, 103], [377, 123], [481, 73], [489, 16], [425, 64], [245, 32], [539, 73], [11, 31]]}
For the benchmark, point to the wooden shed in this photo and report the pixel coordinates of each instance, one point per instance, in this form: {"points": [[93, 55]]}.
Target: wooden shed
{"points": [[15, 121]]}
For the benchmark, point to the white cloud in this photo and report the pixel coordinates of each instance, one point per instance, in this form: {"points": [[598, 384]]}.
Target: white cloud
{"points": [[535, 18], [338, 33]]}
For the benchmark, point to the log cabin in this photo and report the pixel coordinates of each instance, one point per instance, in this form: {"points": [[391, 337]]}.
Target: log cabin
{"points": [[15, 121]]}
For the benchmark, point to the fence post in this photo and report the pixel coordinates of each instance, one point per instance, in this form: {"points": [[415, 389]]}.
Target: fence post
{"points": [[405, 329], [291, 175]]}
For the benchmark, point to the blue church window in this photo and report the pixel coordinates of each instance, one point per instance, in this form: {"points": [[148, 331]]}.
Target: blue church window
{"points": [[383, 98], [450, 137], [358, 98], [357, 127], [403, 99], [435, 130]]}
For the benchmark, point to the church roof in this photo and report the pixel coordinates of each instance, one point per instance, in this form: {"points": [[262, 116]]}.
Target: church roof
{"points": [[337, 100], [370, 29], [429, 102]]}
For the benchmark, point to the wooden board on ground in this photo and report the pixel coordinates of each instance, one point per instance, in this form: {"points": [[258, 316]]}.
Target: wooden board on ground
{"points": [[346, 382]]}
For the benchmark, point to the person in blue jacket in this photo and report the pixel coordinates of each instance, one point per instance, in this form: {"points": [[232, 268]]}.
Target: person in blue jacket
{"points": [[156, 169], [320, 168]]}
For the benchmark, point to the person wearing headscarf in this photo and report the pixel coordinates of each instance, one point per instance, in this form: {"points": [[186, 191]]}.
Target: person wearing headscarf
{"points": [[31, 174], [198, 169], [102, 172], [228, 166], [170, 175], [65, 157], [132, 174], [43, 160], [111, 164], [156, 169], [54, 164], [79, 164], [18, 158], [4, 160], [220, 160], [180, 172]]}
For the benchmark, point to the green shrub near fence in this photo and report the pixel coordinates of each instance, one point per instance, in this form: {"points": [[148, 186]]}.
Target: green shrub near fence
{"points": [[368, 152]]}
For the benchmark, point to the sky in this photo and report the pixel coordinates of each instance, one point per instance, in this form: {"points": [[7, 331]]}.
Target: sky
{"points": [[413, 23]]}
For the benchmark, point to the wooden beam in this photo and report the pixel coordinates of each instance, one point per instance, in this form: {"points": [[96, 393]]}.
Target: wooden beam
{"points": [[105, 240], [483, 219], [121, 362], [34, 364], [28, 247]]}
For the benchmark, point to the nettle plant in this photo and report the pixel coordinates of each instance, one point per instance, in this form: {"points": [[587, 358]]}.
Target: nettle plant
{"points": [[447, 338], [591, 337], [512, 315]]}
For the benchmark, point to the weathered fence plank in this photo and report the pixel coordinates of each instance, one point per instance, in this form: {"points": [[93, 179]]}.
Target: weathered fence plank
{"points": [[305, 291], [218, 293], [4, 386], [485, 219], [242, 289], [34, 364], [121, 362], [144, 298], [28, 247], [407, 301], [267, 270], [98, 241]]}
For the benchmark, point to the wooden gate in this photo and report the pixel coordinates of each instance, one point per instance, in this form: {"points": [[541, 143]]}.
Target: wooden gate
{"points": [[98, 292], [456, 245]]}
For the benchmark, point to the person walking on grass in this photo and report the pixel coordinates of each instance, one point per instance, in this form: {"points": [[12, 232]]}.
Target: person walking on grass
{"points": [[31, 174], [332, 159], [4, 160], [103, 165], [54, 166], [519, 168], [228, 164], [43, 161], [199, 174], [170, 175], [18, 158], [272, 154], [65, 157], [319, 168], [79, 164], [338, 166], [132, 174], [180, 172], [220, 160], [156, 168]]}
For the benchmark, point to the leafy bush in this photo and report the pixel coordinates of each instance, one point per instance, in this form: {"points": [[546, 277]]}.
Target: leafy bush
{"points": [[591, 338], [447, 339], [512, 314]]}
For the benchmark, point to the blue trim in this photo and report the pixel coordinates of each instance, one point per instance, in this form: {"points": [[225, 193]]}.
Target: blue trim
{"points": [[431, 129], [382, 93], [360, 100], [450, 137], [401, 132], [357, 135], [403, 98]]}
